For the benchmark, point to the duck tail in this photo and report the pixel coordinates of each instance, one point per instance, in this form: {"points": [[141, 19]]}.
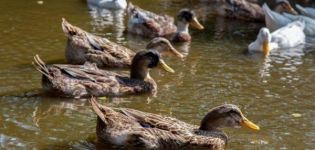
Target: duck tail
{"points": [[41, 67], [101, 111], [69, 29]]}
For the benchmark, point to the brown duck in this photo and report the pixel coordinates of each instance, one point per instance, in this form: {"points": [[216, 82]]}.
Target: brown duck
{"points": [[125, 128], [149, 24], [83, 46], [87, 80], [248, 11]]}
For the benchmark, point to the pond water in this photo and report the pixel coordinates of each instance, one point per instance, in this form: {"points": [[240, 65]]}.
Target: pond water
{"points": [[277, 93]]}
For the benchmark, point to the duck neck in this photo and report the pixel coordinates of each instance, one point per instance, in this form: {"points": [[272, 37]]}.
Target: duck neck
{"points": [[139, 72], [209, 123], [182, 27]]}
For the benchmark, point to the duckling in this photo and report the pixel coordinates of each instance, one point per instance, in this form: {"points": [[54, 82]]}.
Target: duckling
{"points": [[148, 24], [288, 36], [83, 46], [109, 4], [248, 11], [126, 128], [87, 80]]}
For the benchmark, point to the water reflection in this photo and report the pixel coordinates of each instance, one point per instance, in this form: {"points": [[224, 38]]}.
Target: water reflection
{"points": [[103, 19], [289, 58]]}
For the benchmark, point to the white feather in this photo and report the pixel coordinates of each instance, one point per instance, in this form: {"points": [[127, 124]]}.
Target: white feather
{"points": [[289, 36]]}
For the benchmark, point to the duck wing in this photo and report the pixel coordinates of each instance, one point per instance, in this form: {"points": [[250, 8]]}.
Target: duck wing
{"points": [[307, 11], [273, 19], [309, 23], [149, 120], [290, 35]]}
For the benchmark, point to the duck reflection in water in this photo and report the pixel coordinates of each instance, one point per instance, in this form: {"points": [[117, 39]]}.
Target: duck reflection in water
{"points": [[104, 18]]}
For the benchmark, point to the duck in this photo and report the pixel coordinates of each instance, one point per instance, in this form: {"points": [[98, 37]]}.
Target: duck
{"points": [[306, 11], [83, 46], [249, 11], [81, 81], [288, 36], [275, 20], [149, 24], [129, 128], [109, 4]]}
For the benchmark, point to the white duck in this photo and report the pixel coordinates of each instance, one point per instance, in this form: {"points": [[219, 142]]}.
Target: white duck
{"points": [[288, 36], [275, 20], [306, 11], [309, 23], [109, 4]]}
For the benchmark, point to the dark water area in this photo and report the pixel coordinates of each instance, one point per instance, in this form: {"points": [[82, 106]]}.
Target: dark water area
{"points": [[277, 93]]}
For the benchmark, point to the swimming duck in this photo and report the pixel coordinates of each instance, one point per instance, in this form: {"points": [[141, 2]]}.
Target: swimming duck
{"points": [[275, 20], [83, 46], [288, 36], [148, 24], [248, 11], [125, 128], [109, 4], [307, 11], [87, 80]]}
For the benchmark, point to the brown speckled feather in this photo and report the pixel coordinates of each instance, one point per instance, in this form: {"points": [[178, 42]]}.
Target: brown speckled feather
{"points": [[241, 9], [83, 46], [87, 80], [132, 128]]}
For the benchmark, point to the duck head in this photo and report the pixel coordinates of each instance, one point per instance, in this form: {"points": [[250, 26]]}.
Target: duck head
{"points": [[284, 6], [143, 61], [162, 45], [187, 16], [227, 115], [264, 38]]}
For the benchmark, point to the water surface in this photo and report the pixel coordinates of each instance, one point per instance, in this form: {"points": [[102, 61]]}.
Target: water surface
{"points": [[217, 70]]}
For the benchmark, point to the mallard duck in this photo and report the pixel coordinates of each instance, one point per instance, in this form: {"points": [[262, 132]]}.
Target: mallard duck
{"points": [[148, 24], [109, 4], [87, 80], [288, 36], [125, 128], [248, 11], [83, 46], [307, 11], [275, 20]]}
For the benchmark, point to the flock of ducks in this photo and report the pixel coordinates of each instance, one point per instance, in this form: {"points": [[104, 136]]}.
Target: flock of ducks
{"points": [[124, 127]]}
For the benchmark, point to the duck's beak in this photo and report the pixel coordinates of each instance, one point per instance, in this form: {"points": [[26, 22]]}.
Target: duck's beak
{"points": [[292, 11], [248, 124], [176, 52], [166, 67], [265, 48], [195, 23]]}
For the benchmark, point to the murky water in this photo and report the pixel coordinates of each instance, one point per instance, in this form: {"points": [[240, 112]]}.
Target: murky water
{"points": [[276, 93]]}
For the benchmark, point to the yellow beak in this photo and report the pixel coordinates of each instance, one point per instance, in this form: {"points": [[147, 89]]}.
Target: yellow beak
{"points": [[248, 124], [166, 67], [292, 11], [195, 23], [265, 48], [176, 53]]}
